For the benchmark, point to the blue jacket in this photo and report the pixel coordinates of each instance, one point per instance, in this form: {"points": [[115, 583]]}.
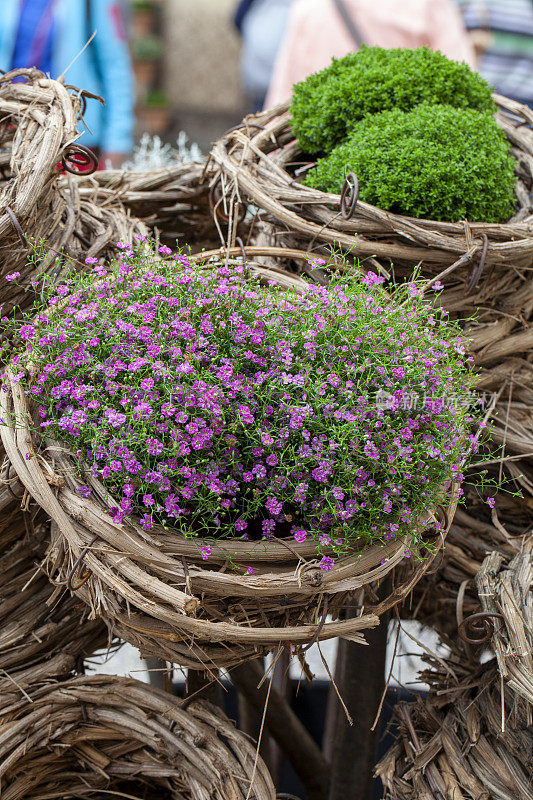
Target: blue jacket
{"points": [[103, 68]]}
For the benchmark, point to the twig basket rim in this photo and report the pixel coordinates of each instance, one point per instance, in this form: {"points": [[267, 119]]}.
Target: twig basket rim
{"points": [[194, 746]]}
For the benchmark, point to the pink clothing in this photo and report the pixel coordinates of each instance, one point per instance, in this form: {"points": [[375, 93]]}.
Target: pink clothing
{"points": [[316, 33]]}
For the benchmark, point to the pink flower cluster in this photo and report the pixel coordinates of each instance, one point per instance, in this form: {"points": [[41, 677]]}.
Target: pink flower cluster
{"points": [[207, 402]]}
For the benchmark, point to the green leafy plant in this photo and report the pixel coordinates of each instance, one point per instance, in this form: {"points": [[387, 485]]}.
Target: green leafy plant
{"points": [[325, 105], [143, 5], [434, 162], [147, 48], [156, 98]]}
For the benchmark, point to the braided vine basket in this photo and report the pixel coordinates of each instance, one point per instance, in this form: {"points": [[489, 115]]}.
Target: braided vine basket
{"points": [[39, 120], [44, 630], [448, 592], [472, 736], [105, 736], [158, 591], [172, 201]]}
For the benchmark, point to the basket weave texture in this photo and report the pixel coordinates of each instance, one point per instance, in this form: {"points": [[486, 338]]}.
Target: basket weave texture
{"points": [[104, 736], [448, 593], [173, 201], [472, 737], [44, 631], [39, 121]]}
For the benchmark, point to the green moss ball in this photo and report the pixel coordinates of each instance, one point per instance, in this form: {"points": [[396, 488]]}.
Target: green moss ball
{"points": [[325, 105], [433, 162]]}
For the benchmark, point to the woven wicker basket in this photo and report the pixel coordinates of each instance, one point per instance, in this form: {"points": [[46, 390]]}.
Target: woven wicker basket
{"points": [[472, 737], [38, 130], [256, 165], [44, 631], [158, 593], [485, 269], [103, 736], [155, 590], [172, 201], [448, 593]]}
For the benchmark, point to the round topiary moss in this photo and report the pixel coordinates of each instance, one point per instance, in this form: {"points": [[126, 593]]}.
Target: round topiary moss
{"points": [[434, 162], [325, 105]]}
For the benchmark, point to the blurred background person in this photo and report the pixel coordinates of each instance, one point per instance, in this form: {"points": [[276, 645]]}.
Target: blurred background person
{"points": [[50, 34], [318, 30], [501, 32], [261, 24]]}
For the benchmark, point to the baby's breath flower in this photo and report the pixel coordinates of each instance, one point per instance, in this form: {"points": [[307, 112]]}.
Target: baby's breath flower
{"points": [[211, 404]]}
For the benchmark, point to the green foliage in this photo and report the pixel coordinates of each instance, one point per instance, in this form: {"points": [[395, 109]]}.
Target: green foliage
{"points": [[156, 98], [434, 162], [147, 48], [325, 105]]}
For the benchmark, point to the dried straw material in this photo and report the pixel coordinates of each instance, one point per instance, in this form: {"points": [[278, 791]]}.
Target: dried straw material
{"points": [[44, 631], [172, 201], [448, 592], [38, 123], [155, 590], [105, 736], [505, 593], [472, 737], [453, 747]]}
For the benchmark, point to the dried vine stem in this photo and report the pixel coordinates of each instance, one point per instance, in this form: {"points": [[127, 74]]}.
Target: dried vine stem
{"points": [[285, 728], [505, 591], [38, 123], [472, 736], [100, 736], [44, 631]]}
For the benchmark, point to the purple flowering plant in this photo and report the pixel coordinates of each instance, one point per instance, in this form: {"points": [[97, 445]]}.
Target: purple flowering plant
{"points": [[207, 402]]}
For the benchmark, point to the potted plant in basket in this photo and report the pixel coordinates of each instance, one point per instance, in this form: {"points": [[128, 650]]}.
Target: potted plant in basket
{"points": [[143, 17], [155, 112], [430, 159], [240, 450], [146, 54]]}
